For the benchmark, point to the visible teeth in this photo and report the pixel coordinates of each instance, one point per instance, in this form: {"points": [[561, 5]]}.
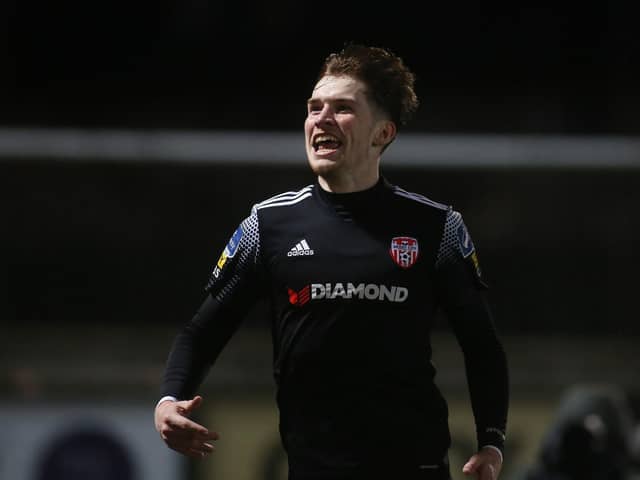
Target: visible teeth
{"points": [[324, 138]]}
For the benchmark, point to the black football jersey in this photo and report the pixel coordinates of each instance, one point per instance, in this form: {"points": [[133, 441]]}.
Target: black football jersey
{"points": [[354, 282]]}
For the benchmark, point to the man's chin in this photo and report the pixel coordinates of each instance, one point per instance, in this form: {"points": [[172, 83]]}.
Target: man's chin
{"points": [[322, 166]]}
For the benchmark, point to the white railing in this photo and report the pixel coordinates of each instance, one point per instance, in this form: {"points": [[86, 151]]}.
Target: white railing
{"points": [[287, 148]]}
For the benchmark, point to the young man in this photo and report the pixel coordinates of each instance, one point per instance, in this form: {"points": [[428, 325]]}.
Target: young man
{"points": [[355, 269]]}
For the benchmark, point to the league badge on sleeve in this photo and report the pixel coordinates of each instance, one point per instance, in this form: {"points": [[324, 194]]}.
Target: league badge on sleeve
{"points": [[404, 251], [464, 240], [229, 251], [468, 251], [234, 241]]}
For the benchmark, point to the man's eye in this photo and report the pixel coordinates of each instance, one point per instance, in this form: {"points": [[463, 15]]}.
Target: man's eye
{"points": [[344, 108]]}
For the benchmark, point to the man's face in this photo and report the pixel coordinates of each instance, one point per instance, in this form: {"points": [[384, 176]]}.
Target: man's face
{"points": [[340, 127]]}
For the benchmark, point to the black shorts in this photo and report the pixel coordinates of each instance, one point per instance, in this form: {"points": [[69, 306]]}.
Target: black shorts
{"points": [[438, 471]]}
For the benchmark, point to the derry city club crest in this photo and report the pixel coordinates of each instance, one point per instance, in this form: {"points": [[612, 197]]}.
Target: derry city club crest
{"points": [[404, 251]]}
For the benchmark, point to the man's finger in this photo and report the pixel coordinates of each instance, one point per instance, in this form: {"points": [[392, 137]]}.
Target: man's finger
{"points": [[178, 422], [489, 472], [199, 453], [210, 435], [187, 430], [190, 405], [203, 447], [192, 453], [191, 448]]}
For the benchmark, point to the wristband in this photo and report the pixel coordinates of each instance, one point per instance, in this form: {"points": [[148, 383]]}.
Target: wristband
{"points": [[165, 399]]}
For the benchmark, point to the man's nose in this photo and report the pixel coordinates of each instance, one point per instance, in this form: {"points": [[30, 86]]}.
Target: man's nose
{"points": [[325, 117]]}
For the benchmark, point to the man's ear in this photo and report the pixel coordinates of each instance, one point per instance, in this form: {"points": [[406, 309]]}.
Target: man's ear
{"points": [[386, 132]]}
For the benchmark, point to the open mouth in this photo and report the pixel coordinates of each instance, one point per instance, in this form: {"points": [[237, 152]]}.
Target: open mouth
{"points": [[326, 142]]}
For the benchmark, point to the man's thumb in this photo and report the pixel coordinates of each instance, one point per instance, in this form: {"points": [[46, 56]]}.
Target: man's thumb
{"points": [[192, 404], [471, 466]]}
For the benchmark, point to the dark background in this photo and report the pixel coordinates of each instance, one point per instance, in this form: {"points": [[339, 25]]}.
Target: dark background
{"points": [[225, 64], [132, 242], [103, 258]]}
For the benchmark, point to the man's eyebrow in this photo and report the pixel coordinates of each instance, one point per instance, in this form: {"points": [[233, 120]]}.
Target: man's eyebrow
{"points": [[331, 99]]}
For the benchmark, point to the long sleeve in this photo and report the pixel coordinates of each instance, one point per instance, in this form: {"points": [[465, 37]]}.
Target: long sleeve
{"points": [[231, 293], [462, 293]]}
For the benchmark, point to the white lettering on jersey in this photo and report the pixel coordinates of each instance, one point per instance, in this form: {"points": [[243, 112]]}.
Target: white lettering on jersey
{"points": [[369, 291]]}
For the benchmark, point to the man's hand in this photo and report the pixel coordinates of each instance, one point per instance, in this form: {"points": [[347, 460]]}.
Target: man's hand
{"points": [[486, 464], [179, 432]]}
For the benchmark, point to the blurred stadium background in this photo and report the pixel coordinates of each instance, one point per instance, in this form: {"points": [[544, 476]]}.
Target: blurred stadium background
{"points": [[134, 138]]}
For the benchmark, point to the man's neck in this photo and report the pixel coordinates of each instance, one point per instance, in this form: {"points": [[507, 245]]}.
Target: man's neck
{"points": [[348, 183]]}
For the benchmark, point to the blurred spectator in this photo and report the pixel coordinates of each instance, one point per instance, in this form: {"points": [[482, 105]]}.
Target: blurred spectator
{"points": [[86, 454], [590, 438]]}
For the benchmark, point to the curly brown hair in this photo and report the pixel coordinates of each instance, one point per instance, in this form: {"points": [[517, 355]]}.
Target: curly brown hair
{"points": [[389, 82]]}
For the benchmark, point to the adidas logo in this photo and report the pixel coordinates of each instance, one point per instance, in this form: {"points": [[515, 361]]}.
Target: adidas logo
{"points": [[301, 248]]}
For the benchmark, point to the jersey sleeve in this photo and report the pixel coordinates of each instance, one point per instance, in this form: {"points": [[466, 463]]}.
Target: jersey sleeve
{"points": [[231, 291], [462, 295]]}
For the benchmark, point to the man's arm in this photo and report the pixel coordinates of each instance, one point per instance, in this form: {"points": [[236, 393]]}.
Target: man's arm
{"points": [[487, 377], [200, 343], [462, 293], [231, 293]]}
